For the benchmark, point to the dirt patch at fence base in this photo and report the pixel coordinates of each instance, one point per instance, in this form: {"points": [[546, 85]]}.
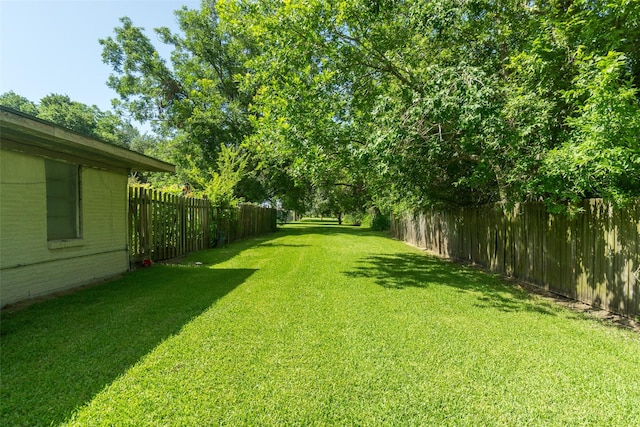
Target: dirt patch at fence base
{"points": [[180, 260], [569, 303], [579, 307]]}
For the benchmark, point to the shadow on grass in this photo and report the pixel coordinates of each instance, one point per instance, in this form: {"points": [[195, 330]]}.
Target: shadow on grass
{"points": [[281, 245], [318, 221], [58, 354], [399, 271], [328, 229]]}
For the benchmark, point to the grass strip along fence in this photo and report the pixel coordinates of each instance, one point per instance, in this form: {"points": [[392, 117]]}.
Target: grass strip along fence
{"points": [[593, 257], [164, 226]]}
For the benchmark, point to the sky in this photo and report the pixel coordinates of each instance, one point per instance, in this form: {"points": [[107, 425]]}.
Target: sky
{"points": [[51, 46]]}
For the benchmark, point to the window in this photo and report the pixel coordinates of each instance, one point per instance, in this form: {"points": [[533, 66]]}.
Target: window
{"points": [[63, 200]]}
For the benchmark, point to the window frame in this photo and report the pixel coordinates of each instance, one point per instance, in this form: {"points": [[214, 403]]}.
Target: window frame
{"points": [[56, 235]]}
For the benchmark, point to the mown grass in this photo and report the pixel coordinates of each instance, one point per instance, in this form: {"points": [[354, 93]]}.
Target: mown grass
{"points": [[314, 325]]}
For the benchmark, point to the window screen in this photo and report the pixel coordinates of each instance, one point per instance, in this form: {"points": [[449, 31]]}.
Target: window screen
{"points": [[63, 201]]}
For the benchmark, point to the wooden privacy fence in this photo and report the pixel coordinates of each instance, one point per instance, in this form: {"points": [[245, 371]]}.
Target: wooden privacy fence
{"points": [[164, 226], [244, 222], [593, 257]]}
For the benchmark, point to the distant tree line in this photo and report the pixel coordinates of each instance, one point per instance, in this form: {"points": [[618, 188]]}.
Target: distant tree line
{"points": [[78, 117]]}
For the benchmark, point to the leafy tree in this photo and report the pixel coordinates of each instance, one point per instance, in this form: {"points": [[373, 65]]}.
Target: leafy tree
{"points": [[395, 104], [196, 99], [79, 117], [601, 157], [446, 101], [70, 114], [219, 185], [20, 103]]}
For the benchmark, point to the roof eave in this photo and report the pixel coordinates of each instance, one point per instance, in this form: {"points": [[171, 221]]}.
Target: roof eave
{"points": [[25, 133]]}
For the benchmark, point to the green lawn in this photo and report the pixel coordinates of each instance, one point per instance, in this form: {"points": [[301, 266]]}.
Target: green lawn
{"points": [[314, 325]]}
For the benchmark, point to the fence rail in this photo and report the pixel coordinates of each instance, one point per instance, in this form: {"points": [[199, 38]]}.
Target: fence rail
{"points": [[164, 226], [593, 257]]}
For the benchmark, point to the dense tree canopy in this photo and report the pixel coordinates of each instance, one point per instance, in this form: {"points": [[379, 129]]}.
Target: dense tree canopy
{"points": [[399, 104]]}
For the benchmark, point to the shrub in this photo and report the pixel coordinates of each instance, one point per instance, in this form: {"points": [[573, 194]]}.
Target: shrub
{"points": [[353, 218], [377, 221]]}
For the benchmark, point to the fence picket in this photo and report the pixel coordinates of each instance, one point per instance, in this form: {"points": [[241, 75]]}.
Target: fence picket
{"points": [[163, 226]]}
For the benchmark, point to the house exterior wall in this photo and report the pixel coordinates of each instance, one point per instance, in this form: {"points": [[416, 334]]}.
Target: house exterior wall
{"points": [[30, 265]]}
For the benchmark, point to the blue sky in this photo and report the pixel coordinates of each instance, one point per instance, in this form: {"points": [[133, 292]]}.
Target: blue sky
{"points": [[51, 46]]}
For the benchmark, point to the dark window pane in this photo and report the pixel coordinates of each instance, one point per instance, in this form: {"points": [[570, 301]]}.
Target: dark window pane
{"points": [[62, 200]]}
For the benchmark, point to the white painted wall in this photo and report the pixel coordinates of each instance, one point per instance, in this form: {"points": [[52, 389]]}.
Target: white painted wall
{"points": [[31, 266]]}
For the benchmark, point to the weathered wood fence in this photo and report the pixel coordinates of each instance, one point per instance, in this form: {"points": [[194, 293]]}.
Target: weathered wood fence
{"points": [[593, 256], [164, 226]]}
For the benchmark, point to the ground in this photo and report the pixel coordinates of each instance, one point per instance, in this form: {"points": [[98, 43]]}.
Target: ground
{"points": [[314, 325]]}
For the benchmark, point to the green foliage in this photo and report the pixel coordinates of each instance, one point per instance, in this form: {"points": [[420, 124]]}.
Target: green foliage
{"points": [[353, 218], [194, 99], [70, 114], [445, 102], [376, 220], [602, 157], [408, 103], [219, 185], [147, 86], [81, 118], [17, 102]]}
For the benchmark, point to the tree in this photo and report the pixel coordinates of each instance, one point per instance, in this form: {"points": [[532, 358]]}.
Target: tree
{"points": [[20, 103], [447, 102], [196, 100], [397, 103], [78, 117], [601, 156]]}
